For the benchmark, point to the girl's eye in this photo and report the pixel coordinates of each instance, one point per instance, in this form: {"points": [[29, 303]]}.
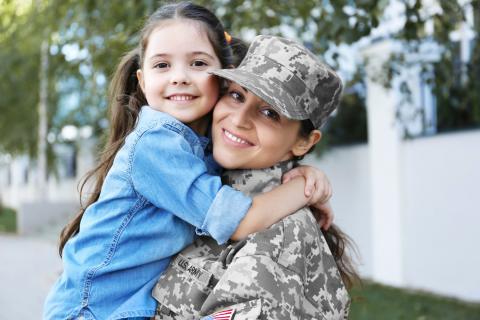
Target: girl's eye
{"points": [[235, 95], [271, 114], [199, 63], [161, 65]]}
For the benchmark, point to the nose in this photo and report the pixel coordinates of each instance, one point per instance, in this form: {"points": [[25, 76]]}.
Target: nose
{"points": [[179, 76], [241, 117]]}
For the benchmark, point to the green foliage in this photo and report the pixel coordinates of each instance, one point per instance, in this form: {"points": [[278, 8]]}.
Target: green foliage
{"points": [[378, 302], [457, 88], [349, 125], [87, 39], [8, 220], [20, 57], [320, 23]]}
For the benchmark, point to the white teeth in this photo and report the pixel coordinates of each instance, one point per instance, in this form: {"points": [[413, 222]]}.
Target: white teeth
{"points": [[235, 138], [181, 98]]}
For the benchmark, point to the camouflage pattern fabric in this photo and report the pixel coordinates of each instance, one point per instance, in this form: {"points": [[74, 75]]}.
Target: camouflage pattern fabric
{"points": [[284, 272], [289, 78]]}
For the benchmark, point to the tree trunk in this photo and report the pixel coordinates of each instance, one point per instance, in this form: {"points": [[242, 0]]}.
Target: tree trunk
{"points": [[42, 123]]}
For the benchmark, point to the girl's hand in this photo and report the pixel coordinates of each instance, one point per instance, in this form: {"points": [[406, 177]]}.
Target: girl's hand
{"points": [[317, 186], [319, 191], [323, 213]]}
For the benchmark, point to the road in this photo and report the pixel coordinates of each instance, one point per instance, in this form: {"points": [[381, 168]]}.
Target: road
{"points": [[28, 268]]}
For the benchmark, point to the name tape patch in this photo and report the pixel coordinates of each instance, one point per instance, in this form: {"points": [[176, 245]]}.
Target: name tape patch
{"points": [[193, 271]]}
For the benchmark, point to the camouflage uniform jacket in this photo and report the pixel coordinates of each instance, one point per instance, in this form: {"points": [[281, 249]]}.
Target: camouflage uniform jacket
{"points": [[284, 272]]}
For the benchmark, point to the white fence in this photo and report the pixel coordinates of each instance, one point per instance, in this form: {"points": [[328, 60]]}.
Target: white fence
{"points": [[440, 215]]}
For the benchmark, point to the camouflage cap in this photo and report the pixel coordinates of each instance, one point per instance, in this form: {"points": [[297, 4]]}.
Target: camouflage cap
{"points": [[288, 77]]}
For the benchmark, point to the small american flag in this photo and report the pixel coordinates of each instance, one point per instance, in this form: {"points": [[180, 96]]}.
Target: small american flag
{"points": [[226, 314]]}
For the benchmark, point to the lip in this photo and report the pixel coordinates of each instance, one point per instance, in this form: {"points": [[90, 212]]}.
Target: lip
{"points": [[181, 97], [235, 139]]}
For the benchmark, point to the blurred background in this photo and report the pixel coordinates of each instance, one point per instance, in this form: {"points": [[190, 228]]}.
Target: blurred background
{"points": [[402, 151]]}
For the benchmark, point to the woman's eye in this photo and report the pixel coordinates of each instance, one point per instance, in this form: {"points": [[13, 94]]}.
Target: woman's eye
{"points": [[161, 65], [236, 96], [199, 63], [271, 114]]}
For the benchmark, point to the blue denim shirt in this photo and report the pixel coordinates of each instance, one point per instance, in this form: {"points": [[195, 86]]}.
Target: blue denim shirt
{"points": [[156, 195]]}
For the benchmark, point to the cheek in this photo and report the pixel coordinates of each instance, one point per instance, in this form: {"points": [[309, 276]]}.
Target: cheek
{"points": [[219, 110], [268, 137], [276, 140], [151, 83], [211, 84]]}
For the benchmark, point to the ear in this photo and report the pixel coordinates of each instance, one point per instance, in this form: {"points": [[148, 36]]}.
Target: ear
{"points": [[140, 79], [302, 146]]}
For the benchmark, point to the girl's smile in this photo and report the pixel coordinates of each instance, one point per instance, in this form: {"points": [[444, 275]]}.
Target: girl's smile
{"points": [[181, 97]]}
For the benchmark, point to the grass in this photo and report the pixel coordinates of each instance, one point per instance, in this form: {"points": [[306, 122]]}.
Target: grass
{"points": [[374, 301], [8, 220]]}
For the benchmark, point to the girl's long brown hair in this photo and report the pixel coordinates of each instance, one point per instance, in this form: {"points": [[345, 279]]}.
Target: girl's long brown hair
{"points": [[126, 97]]}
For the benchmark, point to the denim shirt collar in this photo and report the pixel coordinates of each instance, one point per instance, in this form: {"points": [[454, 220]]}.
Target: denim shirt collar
{"points": [[147, 112]]}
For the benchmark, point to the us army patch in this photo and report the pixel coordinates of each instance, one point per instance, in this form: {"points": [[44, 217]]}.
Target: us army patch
{"points": [[195, 272]]}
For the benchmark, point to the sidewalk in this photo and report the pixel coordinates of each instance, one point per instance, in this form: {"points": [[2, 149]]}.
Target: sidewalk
{"points": [[28, 268]]}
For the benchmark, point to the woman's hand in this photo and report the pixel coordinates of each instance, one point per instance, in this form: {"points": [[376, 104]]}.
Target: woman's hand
{"points": [[319, 191]]}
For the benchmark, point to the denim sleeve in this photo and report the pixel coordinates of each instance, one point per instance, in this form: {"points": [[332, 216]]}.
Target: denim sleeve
{"points": [[167, 173]]}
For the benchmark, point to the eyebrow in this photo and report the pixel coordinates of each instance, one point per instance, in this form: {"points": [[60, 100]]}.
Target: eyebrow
{"points": [[159, 55], [203, 53], [195, 53]]}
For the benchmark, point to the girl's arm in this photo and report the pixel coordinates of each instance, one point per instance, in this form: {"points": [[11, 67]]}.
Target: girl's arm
{"points": [[318, 185], [270, 207], [166, 172]]}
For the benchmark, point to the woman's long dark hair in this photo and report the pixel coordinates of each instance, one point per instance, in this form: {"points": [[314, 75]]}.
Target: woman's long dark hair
{"points": [[339, 243], [337, 240], [126, 97]]}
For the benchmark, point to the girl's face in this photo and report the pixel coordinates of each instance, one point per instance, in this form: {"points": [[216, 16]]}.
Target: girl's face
{"points": [[248, 133], [174, 74]]}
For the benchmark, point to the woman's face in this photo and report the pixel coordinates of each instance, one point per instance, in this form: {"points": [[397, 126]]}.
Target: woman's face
{"points": [[248, 133]]}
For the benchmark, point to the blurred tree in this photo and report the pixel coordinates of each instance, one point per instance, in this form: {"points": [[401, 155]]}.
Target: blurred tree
{"points": [[88, 37], [20, 43], [456, 82]]}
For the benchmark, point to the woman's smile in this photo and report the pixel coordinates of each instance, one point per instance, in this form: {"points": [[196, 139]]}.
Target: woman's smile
{"points": [[235, 139]]}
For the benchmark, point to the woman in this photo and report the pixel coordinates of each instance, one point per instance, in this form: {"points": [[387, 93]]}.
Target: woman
{"points": [[276, 101]]}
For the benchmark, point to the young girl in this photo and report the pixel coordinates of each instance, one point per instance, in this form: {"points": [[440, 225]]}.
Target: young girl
{"points": [[154, 189], [276, 101]]}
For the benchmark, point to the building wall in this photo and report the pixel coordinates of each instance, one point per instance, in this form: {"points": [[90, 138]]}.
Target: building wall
{"points": [[442, 215]]}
